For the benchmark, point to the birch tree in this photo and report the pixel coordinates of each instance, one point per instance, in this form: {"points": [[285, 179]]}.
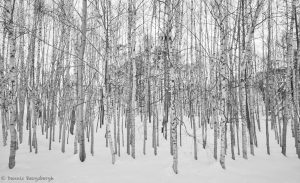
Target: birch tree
{"points": [[81, 94], [10, 7]]}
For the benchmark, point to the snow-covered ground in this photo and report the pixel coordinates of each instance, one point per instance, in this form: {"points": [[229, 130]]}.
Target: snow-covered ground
{"points": [[66, 167]]}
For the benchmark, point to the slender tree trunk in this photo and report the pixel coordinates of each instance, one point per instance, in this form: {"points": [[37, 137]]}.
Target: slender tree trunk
{"points": [[268, 106], [132, 79], [10, 6], [81, 97]]}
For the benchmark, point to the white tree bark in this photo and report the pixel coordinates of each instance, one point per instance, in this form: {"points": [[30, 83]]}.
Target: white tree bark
{"points": [[223, 26], [132, 76], [81, 94], [10, 5]]}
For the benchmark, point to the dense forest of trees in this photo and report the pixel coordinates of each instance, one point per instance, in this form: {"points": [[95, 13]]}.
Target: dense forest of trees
{"points": [[70, 67]]}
